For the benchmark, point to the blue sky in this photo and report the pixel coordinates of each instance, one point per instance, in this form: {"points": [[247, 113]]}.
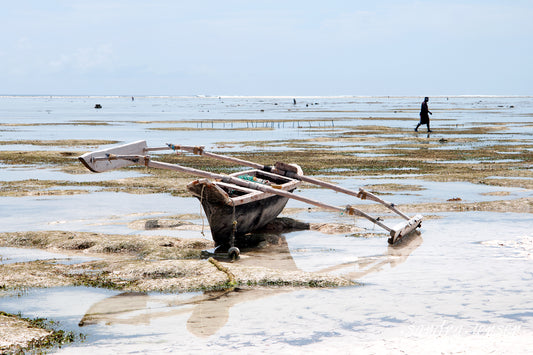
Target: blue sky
{"points": [[289, 48]]}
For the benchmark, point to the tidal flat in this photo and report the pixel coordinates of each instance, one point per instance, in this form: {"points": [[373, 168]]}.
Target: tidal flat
{"points": [[144, 238]]}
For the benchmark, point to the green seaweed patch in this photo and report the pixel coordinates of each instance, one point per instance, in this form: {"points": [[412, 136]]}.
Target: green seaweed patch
{"points": [[36, 187], [100, 280], [55, 336], [313, 283], [152, 247], [132, 263], [47, 158]]}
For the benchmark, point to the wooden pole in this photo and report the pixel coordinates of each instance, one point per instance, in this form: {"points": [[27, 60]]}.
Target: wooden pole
{"points": [[362, 194], [199, 150]]}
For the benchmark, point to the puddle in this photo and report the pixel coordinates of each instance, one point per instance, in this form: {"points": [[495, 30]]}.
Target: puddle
{"points": [[421, 191], [10, 255], [99, 212], [20, 173]]}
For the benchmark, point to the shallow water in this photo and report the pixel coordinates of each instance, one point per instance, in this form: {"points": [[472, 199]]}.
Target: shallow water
{"points": [[415, 191], [453, 277], [10, 255], [21, 173], [442, 279], [100, 212], [159, 119]]}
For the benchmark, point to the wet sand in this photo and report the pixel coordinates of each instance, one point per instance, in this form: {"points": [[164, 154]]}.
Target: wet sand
{"points": [[494, 157]]}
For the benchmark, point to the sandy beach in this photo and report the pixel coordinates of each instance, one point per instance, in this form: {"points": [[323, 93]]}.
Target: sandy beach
{"points": [[117, 261]]}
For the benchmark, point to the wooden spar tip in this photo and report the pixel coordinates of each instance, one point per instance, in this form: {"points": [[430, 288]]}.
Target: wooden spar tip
{"points": [[86, 164], [99, 161], [403, 228]]}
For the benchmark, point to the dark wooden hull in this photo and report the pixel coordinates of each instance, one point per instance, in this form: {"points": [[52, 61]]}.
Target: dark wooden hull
{"points": [[251, 209], [250, 217]]}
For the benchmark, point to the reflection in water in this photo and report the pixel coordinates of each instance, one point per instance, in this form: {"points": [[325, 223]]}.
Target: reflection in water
{"points": [[210, 310], [112, 309], [212, 314], [395, 255], [273, 253]]}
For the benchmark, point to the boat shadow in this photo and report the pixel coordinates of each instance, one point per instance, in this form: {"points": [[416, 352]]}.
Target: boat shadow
{"points": [[396, 254], [209, 311]]}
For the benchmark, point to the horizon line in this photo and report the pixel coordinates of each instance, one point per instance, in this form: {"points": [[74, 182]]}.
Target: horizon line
{"points": [[258, 96]]}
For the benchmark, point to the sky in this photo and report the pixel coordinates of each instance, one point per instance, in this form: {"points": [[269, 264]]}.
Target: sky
{"points": [[266, 47]]}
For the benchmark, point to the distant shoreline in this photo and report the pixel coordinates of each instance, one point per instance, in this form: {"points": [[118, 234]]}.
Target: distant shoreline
{"points": [[257, 96]]}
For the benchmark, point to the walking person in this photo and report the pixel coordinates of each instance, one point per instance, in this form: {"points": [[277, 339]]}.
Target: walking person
{"points": [[424, 117]]}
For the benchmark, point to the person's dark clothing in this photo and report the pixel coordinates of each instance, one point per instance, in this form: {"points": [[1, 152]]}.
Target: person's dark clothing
{"points": [[424, 113]]}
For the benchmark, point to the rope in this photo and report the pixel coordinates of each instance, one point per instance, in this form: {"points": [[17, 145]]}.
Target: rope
{"points": [[201, 209], [234, 229], [174, 148], [232, 282]]}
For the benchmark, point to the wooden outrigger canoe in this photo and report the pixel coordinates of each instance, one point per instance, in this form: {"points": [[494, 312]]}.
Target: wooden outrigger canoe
{"points": [[240, 203]]}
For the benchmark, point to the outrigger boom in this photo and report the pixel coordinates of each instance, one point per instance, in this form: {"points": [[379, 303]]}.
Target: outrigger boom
{"points": [[136, 154]]}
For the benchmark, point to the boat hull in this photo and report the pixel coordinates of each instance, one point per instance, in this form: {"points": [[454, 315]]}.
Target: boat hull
{"points": [[233, 212], [249, 218]]}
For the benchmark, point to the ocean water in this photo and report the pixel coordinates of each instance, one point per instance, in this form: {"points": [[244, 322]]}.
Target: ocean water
{"points": [[466, 273], [160, 120]]}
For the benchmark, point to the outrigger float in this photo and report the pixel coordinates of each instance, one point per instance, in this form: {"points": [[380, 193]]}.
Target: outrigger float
{"points": [[242, 202]]}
